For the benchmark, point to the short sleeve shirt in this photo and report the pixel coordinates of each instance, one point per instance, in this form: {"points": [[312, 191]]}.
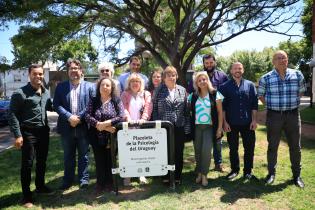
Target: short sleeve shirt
{"points": [[282, 95], [203, 108]]}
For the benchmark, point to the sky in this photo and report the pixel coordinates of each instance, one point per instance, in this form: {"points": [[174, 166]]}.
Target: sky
{"points": [[247, 41]]}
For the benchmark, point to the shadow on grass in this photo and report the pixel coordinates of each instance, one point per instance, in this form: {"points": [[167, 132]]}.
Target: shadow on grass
{"points": [[235, 190]]}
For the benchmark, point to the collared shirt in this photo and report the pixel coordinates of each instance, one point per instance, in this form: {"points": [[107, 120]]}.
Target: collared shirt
{"points": [[28, 108], [74, 96], [239, 101], [123, 79], [282, 95], [217, 78], [175, 111]]}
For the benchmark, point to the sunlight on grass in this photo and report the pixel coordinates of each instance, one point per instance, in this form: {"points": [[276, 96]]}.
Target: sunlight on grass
{"points": [[220, 194]]}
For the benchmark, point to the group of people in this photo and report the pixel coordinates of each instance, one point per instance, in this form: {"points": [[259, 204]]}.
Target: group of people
{"points": [[211, 104]]}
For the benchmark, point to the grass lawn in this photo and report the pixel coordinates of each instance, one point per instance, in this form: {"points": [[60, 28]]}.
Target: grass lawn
{"points": [[220, 194], [308, 115]]}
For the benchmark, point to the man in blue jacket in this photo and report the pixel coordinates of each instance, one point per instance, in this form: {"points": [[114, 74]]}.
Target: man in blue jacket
{"points": [[70, 100]]}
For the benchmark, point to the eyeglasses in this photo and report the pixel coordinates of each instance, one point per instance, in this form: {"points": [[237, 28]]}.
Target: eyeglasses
{"points": [[105, 70], [74, 68]]}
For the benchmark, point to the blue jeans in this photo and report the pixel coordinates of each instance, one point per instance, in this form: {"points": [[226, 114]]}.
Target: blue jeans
{"points": [[217, 151], [76, 139]]}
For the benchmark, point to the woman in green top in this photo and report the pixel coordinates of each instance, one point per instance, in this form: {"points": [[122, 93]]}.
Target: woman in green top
{"points": [[207, 119]]}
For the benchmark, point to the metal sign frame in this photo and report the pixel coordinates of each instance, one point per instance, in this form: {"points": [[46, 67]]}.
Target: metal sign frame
{"points": [[149, 124]]}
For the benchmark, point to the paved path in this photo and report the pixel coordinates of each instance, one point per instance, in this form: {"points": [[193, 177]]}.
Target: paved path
{"points": [[7, 139]]}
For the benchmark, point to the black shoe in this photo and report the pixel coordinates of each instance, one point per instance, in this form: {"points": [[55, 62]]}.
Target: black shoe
{"points": [[270, 178], [64, 187], [250, 177], [298, 182], [44, 190], [232, 175], [84, 185]]}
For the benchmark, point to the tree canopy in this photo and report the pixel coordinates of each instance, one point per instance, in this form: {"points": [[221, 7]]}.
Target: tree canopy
{"points": [[174, 31]]}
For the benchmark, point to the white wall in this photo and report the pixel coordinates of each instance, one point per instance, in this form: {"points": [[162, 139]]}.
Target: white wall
{"points": [[15, 79]]}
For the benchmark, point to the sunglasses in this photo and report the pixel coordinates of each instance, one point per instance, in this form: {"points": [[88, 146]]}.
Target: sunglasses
{"points": [[105, 70]]}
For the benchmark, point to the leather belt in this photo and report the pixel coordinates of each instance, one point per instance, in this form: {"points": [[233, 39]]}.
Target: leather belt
{"points": [[32, 127], [284, 111]]}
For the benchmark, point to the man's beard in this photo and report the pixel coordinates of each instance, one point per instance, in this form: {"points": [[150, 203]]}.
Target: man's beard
{"points": [[210, 70]]}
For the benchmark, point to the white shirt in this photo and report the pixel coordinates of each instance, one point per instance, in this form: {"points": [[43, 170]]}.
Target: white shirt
{"points": [[136, 104], [74, 98]]}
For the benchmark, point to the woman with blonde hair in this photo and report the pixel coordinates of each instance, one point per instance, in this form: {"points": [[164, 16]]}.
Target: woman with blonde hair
{"points": [[137, 104], [206, 120]]}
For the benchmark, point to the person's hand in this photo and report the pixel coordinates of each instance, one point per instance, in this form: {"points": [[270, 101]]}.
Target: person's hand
{"points": [[253, 125], [18, 142], [218, 134], [140, 122], [227, 127], [74, 120], [99, 126], [110, 129]]}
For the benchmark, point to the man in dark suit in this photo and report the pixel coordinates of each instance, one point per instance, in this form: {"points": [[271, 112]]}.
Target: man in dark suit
{"points": [[70, 100]]}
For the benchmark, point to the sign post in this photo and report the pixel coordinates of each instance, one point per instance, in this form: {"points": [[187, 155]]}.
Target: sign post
{"points": [[143, 150]]}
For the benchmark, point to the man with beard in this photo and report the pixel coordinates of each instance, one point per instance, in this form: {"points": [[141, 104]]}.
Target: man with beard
{"points": [[29, 124], [217, 78], [134, 67], [240, 106], [70, 101]]}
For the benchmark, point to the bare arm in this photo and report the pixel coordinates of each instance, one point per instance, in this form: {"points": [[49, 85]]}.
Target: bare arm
{"points": [[262, 99], [253, 124], [220, 118]]}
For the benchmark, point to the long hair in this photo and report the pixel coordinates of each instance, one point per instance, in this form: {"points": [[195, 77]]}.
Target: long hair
{"points": [[196, 77], [158, 70], [98, 87]]}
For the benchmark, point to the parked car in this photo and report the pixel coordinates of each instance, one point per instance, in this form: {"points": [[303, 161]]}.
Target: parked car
{"points": [[4, 108]]}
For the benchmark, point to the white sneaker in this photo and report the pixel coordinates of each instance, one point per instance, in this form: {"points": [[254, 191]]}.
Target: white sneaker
{"points": [[127, 182], [143, 180]]}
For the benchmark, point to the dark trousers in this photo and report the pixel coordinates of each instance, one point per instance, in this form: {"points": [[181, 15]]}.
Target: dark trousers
{"points": [[248, 137], [103, 164], [217, 151], [179, 137], [290, 123], [35, 145]]}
